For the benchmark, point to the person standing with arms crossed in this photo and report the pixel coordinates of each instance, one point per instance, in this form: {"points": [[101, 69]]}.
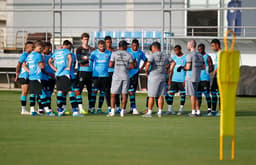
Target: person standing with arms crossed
{"points": [[122, 61], [194, 65], [158, 61]]}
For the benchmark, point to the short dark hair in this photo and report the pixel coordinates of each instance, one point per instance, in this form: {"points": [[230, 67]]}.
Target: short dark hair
{"points": [[201, 45], [156, 44], [39, 43], [135, 41], [67, 42], [85, 35], [101, 42], [107, 38], [29, 42], [178, 46], [49, 44], [215, 41]]}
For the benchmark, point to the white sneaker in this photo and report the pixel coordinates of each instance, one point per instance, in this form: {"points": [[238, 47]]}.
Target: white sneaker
{"points": [[148, 115], [111, 114], [180, 113], [122, 113], [25, 113], [76, 114], [159, 114], [135, 111]]}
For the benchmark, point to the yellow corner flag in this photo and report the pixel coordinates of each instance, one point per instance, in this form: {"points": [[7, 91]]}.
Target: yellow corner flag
{"points": [[228, 79]]}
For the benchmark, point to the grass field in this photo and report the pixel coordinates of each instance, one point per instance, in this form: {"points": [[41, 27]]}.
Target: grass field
{"points": [[96, 139]]}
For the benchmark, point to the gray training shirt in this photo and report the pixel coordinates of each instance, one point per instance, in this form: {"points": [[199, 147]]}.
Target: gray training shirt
{"points": [[122, 60], [158, 61], [197, 62]]}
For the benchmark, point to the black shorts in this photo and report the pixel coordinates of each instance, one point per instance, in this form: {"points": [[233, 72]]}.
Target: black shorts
{"points": [[63, 84], [99, 83], [23, 81], [74, 83], [50, 84], [177, 86], [35, 87], [84, 76], [134, 82], [204, 86], [214, 87], [109, 80]]}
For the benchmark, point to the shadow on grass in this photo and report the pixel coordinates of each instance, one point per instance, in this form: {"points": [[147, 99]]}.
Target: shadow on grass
{"points": [[246, 113]]}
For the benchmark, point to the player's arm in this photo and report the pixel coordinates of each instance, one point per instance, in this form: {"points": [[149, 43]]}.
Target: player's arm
{"points": [[147, 67], [171, 69], [50, 63], [112, 61], [210, 64], [69, 62], [143, 66], [187, 67], [111, 64], [25, 67], [132, 65], [18, 66]]}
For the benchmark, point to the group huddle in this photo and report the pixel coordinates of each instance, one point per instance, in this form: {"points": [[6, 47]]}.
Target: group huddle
{"points": [[113, 73]]}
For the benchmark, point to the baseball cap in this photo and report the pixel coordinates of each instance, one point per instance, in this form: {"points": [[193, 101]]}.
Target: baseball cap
{"points": [[123, 43]]}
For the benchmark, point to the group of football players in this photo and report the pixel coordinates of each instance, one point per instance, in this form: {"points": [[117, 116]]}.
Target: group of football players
{"points": [[113, 73]]}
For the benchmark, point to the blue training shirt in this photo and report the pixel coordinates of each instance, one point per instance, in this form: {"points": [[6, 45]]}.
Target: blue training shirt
{"points": [[138, 55], [33, 60], [100, 63], [216, 61], [23, 73], [61, 62], [180, 61], [205, 75], [47, 67], [72, 70]]}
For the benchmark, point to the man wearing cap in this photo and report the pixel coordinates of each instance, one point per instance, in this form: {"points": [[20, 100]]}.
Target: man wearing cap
{"points": [[122, 61], [156, 70]]}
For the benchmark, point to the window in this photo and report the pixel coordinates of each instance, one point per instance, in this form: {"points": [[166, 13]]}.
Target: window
{"points": [[197, 19]]}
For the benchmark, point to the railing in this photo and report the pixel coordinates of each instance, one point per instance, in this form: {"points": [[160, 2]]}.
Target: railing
{"points": [[15, 37]]}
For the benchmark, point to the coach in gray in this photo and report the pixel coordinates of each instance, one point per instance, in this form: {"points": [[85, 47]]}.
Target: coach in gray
{"points": [[156, 69], [122, 61], [194, 65]]}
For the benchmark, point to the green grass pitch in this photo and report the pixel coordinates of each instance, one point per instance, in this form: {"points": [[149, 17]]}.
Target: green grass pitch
{"points": [[98, 140]]}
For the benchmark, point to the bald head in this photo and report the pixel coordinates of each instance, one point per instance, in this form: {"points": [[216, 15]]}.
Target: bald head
{"points": [[191, 45]]}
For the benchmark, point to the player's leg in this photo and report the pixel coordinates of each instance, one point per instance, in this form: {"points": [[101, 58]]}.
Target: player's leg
{"points": [[115, 90], [170, 95], [88, 83], [102, 86], [132, 94], [94, 91], [182, 98], [23, 97], [214, 91], [61, 96], [35, 91], [124, 87], [32, 98], [206, 92], [199, 93], [150, 107], [107, 91], [160, 94]]}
